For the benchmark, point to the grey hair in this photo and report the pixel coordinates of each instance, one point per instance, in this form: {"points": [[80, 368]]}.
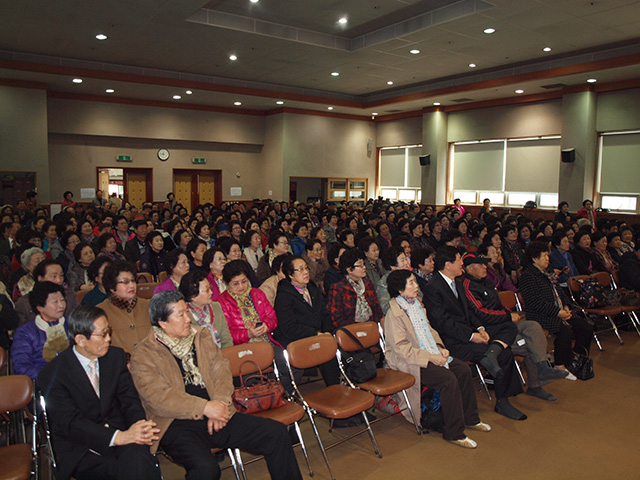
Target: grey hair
{"points": [[161, 306], [25, 258]]}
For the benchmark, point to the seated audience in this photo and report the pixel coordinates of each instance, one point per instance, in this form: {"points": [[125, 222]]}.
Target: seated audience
{"points": [[68, 242], [270, 285], [128, 314], [109, 247], [414, 347], [152, 260], [422, 264], [581, 253], [630, 270], [196, 249], [39, 341], [560, 257], [353, 299], [253, 248], [393, 259], [177, 266], [186, 386], [602, 261], [137, 245], [333, 274], [215, 260], [77, 275], [318, 265], [95, 271], [29, 258], [278, 245], [495, 269], [196, 290], [98, 425], [512, 253], [374, 268]]}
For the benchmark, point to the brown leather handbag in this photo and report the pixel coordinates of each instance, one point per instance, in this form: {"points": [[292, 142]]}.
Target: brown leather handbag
{"points": [[257, 393]]}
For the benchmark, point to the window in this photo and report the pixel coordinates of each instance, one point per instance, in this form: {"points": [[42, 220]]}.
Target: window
{"points": [[548, 200], [619, 170], [465, 196], [520, 199], [619, 203], [400, 173], [496, 198]]}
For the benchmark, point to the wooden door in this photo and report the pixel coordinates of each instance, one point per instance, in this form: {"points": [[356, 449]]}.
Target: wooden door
{"points": [[103, 182], [206, 187], [182, 188], [136, 188]]}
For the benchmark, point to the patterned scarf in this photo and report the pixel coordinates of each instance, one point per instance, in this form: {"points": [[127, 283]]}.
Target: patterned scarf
{"points": [[57, 340], [182, 348], [248, 312], [204, 318], [122, 304], [420, 324], [363, 310]]}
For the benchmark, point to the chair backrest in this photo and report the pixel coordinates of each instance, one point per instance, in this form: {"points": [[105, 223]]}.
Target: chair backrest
{"points": [[3, 357], [144, 277], [312, 351], [15, 392], [366, 332], [162, 276], [574, 282], [604, 278], [615, 276], [509, 300], [520, 299], [80, 294], [145, 290], [259, 352]]}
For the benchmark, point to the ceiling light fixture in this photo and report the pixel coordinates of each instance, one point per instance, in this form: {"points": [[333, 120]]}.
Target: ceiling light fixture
{"points": [[389, 82], [519, 91], [77, 80], [109, 90], [177, 97], [189, 92], [254, 1], [279, 102], [237, 104], [436, 103], [343, 21], [546, 49], [374, 113], [233, 58], [472, 65], [592, 80], [489, 30], [101, 36], [335, 74], [329, 108], [415, 51]]}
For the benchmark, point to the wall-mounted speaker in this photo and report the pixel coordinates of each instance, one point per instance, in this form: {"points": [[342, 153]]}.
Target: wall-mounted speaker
{"points": [[425, 160], [370, 145], [568, 155]]}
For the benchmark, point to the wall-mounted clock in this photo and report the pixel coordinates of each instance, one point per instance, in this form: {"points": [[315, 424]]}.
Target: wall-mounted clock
{"points": [[163, 154]]}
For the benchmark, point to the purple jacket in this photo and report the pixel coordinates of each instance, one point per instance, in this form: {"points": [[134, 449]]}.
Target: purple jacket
{"points": [[165, 286], [26, 351]]}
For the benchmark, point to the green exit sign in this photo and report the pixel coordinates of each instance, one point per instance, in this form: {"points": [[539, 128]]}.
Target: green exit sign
{"points": [[198, 160], [124, 158]]}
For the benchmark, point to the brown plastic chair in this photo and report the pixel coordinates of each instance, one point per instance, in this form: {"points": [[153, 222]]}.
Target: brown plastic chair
{"points": [[334, 401], [80, 294], [144, 277], [3, 357], [162, 276], [145, 290], [606, 311], [262, 354], [16, 391], [387, 381], [607, 280]]}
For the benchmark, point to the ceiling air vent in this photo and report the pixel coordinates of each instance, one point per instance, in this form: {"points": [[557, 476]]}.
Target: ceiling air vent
{"points": [[394, 111], [553, 85], [460, 100]]}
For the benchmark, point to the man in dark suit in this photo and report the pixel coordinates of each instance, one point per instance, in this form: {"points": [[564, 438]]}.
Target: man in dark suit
{"points": [[464, 336], [98, 425]]}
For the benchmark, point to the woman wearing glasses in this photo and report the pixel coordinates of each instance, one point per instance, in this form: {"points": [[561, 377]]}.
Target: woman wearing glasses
{"points": [[128, 314], [353, 299], [278, 245]]}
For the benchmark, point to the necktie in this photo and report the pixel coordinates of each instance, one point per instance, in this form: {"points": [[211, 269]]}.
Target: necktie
{"points": [[453, 287], [93, 376]]}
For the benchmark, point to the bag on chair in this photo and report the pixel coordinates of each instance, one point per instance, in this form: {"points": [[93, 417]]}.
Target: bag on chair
{"points": [[581, 366], [257, 393], [592, 293], [360, 365]]}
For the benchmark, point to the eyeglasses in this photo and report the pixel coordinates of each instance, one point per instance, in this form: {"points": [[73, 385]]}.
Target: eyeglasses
{"points": [[127, 281], [104, 334], [359, 265], [301, 269]]}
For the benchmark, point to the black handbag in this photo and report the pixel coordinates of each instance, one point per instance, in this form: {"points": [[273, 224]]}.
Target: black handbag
{"points": [[581, 366], [360, 365]]}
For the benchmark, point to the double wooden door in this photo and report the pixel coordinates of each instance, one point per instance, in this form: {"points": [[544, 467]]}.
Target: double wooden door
{"points": [[196, 187]]}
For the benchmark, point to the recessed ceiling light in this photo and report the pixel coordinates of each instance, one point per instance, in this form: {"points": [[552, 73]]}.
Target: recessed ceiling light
{"points": [[109, 90], [436, 103], [101, 36], [592, 80], [335, 74], [329, 108], [519, 91], [279, 102], [177, 97], [237, 104], [389, 82], [489, 30], [374, 114], [77, 80], [254, 1], [472, 65], [233, 58], [343, 21], [415, 51], [189, 92], [546, 49]]}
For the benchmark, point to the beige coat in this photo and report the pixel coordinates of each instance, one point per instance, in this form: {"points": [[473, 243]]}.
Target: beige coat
{"points": [[403, 353], [129, 328], [159, 381], [270, 288]]}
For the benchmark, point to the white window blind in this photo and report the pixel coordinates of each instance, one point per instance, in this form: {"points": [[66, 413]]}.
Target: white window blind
{"points": [[479, 166], [392, 163], [533, 165], [620, 168]]}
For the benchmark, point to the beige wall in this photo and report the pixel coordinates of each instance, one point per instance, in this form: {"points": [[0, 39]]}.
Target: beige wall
{"points": [[618, 111], [271, 179], [23, 134], [407, 131]]}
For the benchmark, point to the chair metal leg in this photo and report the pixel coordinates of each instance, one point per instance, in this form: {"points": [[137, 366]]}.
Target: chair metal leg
{"points": [[413, 417], [615, 329], [634, 320], [373, 438], [595, 337], [324, 453], [519, 372], [482, 381], [240, 464], [304, 448]]}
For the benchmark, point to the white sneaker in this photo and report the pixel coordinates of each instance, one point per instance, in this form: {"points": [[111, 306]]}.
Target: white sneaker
{"points": [[465, 442], [570, 376], [481, 427]]}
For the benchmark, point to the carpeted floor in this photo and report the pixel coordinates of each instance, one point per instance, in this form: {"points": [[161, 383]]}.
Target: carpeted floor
{"points": [[590, 432]]}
